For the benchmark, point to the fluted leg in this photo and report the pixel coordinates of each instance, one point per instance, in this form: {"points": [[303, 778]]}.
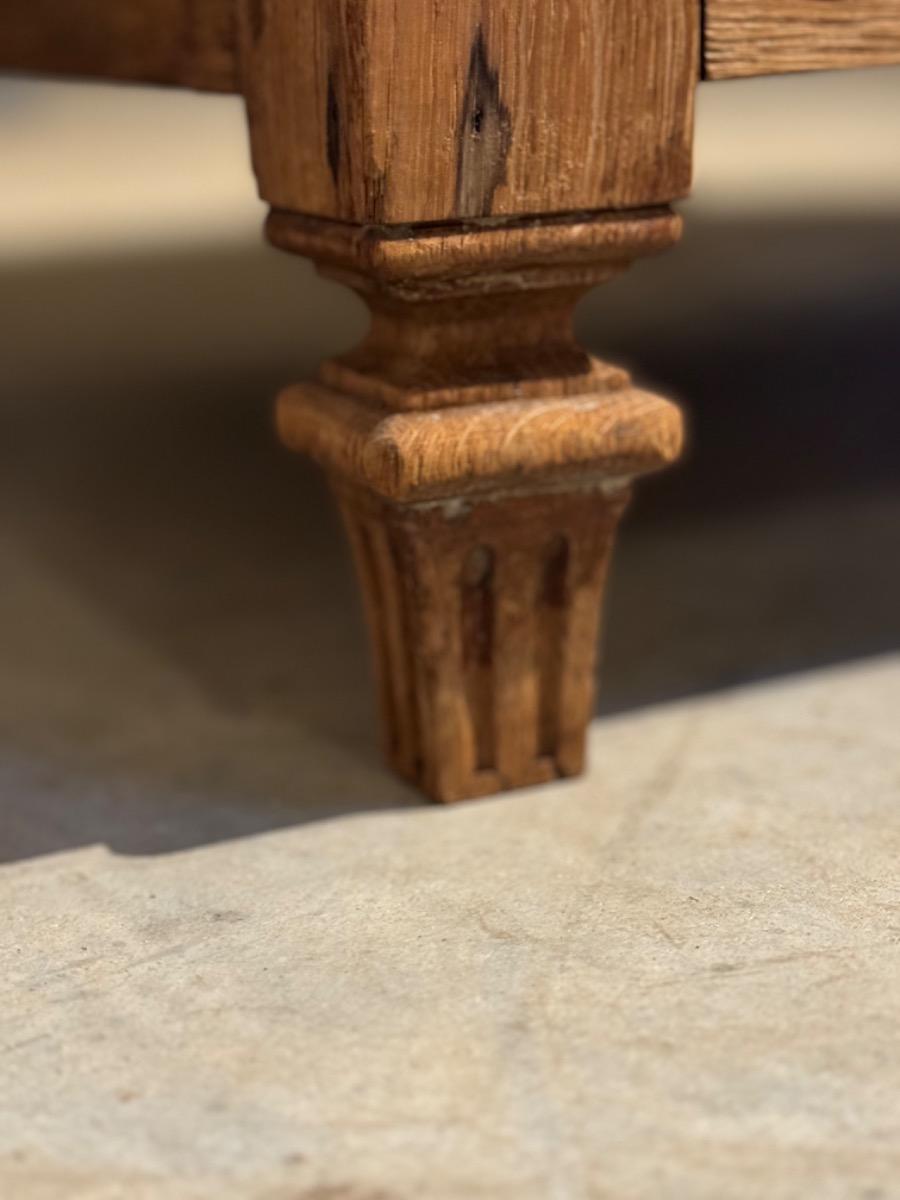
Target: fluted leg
{"points": [[482, 460], [483, 618]]}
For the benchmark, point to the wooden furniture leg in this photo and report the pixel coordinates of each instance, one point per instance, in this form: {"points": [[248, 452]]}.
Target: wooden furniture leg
{"points": [[472, 170], [482, 460]]}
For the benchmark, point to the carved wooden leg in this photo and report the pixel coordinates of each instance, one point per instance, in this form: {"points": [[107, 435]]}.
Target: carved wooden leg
{"points": [[472, 168], [483, 616], [482, 460]]}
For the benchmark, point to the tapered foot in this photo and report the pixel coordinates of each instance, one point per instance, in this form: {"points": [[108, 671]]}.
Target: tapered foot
{"points": [[484, 617]]}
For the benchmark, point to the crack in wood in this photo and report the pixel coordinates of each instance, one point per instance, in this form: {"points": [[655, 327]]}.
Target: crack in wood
{"points": [[485, 135], [333, 129]]}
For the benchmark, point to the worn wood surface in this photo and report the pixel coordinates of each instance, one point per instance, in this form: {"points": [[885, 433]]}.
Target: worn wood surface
{"points": [[484, 623], [186, 42], [373, 112], [472, 257], [421, 155], [766, 37], [482, 459], [464, 317], [616, 433]]}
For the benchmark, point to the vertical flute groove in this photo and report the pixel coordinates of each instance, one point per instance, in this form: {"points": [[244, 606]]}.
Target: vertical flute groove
{"points": [[478, 631]]}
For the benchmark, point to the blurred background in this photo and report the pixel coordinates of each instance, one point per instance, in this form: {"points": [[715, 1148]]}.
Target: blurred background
{"points": [[177, 614]]}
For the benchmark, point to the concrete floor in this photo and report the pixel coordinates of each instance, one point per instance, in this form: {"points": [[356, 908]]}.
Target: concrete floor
{"points": [[678, 977], [239, 960]]}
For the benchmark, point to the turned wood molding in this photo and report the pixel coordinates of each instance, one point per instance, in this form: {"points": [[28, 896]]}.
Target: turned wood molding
{"points": [[470, 378], [473, 313], [320, 47]]}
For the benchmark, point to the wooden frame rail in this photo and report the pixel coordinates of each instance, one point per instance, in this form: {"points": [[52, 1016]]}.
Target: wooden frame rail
{"points": [[770, 37], [189, 43], [193, 43]]}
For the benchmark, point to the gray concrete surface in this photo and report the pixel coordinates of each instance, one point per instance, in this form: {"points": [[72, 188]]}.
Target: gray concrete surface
{"points": [[239, 962], [677, 978]]}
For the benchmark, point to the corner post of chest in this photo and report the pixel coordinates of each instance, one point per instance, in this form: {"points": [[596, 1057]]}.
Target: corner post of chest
{"points": [[472, 173]]}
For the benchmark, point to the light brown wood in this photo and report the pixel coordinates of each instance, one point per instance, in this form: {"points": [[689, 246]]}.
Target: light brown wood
{"points": [[376, 112], [482, 460], [405, 456], [461, 317], [767, 37], [472, 169], [484, 620], [186, 42]]}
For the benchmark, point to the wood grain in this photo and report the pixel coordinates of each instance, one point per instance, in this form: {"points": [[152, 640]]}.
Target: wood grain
{"points": [[463, 316], [187, 42], [482, 459], [611, 435], [484, 627], [475, 256], [767, 37], [367, 111]]}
